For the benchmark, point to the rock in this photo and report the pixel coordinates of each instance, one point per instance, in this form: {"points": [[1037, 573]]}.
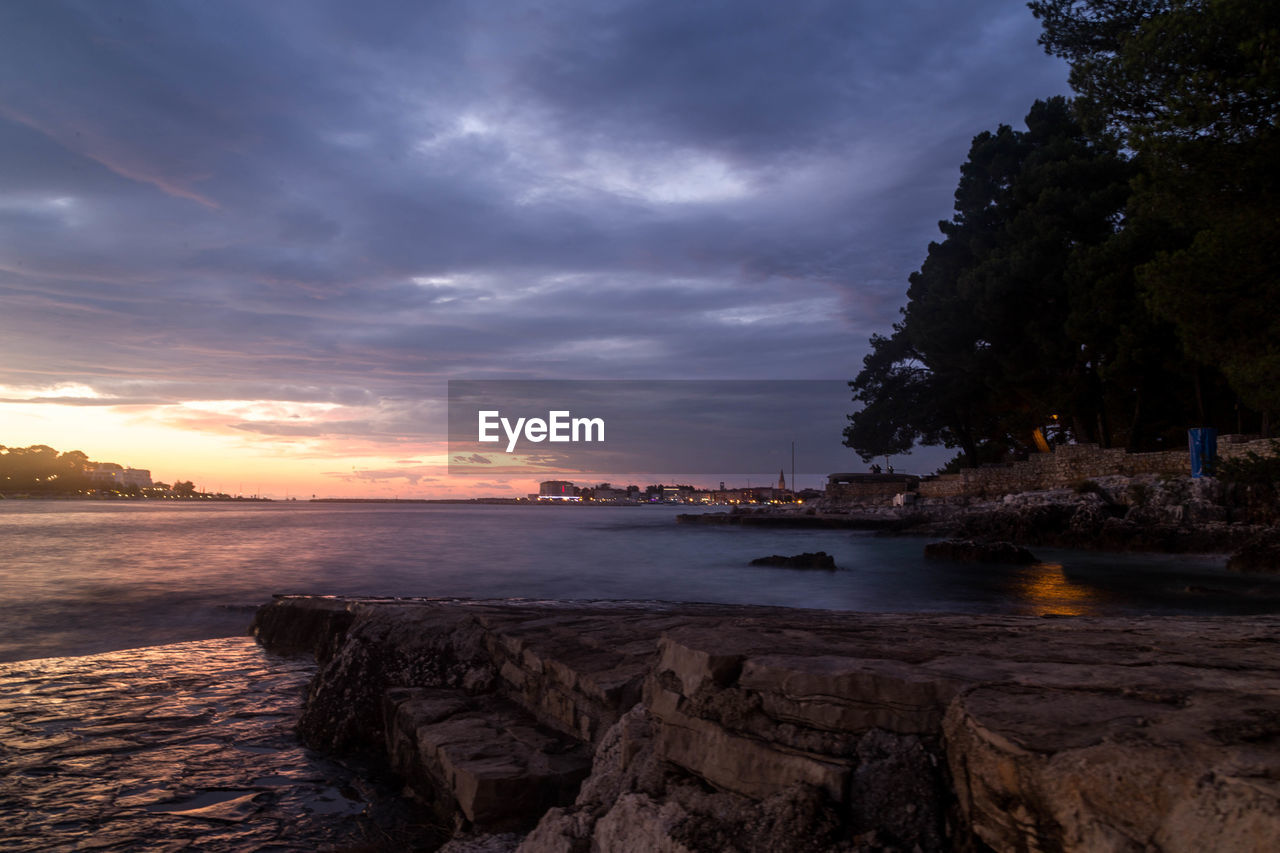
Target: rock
{"points": [[485, 758], [1200, 512], [759, 729], [807, 560], [502, 842], [636, 822], [560, 831], [973, 551], [1102, 770], [1261, 555], [1141, 512], [311, 624]]}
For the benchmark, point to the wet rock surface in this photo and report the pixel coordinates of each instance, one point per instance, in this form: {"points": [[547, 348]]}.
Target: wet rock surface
{"points": [[716, 728], [186, 746]]}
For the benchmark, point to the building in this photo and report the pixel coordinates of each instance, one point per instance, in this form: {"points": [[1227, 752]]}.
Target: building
{"points": [[113, 476], [557, 490], [139, 477], [869, 488]]}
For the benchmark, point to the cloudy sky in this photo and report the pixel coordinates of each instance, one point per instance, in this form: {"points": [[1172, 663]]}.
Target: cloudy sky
{"points": [[248, 243]]}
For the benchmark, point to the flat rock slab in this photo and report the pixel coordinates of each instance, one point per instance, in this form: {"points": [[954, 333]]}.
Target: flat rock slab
{"points": [[1052, 733]]}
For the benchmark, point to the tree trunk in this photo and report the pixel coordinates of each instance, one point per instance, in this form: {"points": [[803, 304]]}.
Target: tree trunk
{"points": [[1195, 373], [967, 445], [1135, 422], [1080, 427]]}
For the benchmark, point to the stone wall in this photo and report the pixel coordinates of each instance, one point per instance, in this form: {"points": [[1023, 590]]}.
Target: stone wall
{"points": [[698, 728], [870, 488], [1068, 465]]}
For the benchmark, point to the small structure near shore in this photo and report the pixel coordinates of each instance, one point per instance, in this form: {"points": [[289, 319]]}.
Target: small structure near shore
{"points": [[869, 488]]}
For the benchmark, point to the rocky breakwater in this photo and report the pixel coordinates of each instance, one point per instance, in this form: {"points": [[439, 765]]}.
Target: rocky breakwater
{"points": [[598, 726], [1115, 513]]}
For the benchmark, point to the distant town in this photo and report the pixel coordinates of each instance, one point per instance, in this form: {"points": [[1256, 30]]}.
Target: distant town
{"points": [[566, 491], [40, 471]]}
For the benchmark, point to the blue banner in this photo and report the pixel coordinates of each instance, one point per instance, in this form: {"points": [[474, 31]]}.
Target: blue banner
{"points": [[1204, 448]]}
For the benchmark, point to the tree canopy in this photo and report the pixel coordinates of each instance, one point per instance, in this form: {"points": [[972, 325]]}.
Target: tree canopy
{"points": [[1193, 88], [40, 469], [1023, 317], [1109, 273]]}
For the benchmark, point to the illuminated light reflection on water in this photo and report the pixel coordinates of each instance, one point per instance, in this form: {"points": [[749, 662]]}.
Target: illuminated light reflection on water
{"points": [[1047, 591], [84, 577]]}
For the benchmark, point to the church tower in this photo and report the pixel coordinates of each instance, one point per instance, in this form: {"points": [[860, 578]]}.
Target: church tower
{"points": [[782, 481]]}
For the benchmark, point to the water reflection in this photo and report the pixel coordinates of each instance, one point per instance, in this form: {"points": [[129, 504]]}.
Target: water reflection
{"points": [[86, 577], [177, 747], [1045, 590]]}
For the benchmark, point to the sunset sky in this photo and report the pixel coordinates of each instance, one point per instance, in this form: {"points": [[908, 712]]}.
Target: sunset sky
{"points": [[247, 243]]}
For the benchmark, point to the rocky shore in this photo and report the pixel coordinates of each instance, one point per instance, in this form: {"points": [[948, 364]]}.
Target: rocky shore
{"points": [[1143, 513], [571, 727]]}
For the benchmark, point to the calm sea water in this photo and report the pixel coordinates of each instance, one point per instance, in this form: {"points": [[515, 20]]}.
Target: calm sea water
{"points": [[84, 577]]}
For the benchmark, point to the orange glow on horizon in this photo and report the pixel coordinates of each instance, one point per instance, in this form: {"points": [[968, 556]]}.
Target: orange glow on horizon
{"points": [[208, 443], [270, 448]]}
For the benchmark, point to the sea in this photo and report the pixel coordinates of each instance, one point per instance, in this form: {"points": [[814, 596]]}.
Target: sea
{"points": [[82, 577], [136, 714]]}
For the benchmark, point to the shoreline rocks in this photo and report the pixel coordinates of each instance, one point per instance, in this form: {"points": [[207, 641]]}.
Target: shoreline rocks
{"points": [[1140, 513], [706, 728]]}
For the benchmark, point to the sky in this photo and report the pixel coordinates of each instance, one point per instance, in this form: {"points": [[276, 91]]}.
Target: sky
{"points": [[248, 244]]}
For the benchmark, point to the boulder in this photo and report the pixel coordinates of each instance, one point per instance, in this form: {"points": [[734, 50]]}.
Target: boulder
{"points": [[807, 560]]}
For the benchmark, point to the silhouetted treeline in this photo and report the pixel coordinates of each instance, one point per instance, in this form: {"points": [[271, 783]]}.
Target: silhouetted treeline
{"points": [[1110, 273], [41, 470]]}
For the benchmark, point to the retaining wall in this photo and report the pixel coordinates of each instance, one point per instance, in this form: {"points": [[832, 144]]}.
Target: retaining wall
{"points": [[1069, 464]]}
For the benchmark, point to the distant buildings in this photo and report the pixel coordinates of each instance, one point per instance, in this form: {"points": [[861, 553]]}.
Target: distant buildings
{"points": [[609, 494], [564, 490], [108, 475], [557, 490]]}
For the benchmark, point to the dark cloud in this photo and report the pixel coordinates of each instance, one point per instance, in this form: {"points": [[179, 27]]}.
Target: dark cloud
{"points": [[473, 459], [332, 202]]}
